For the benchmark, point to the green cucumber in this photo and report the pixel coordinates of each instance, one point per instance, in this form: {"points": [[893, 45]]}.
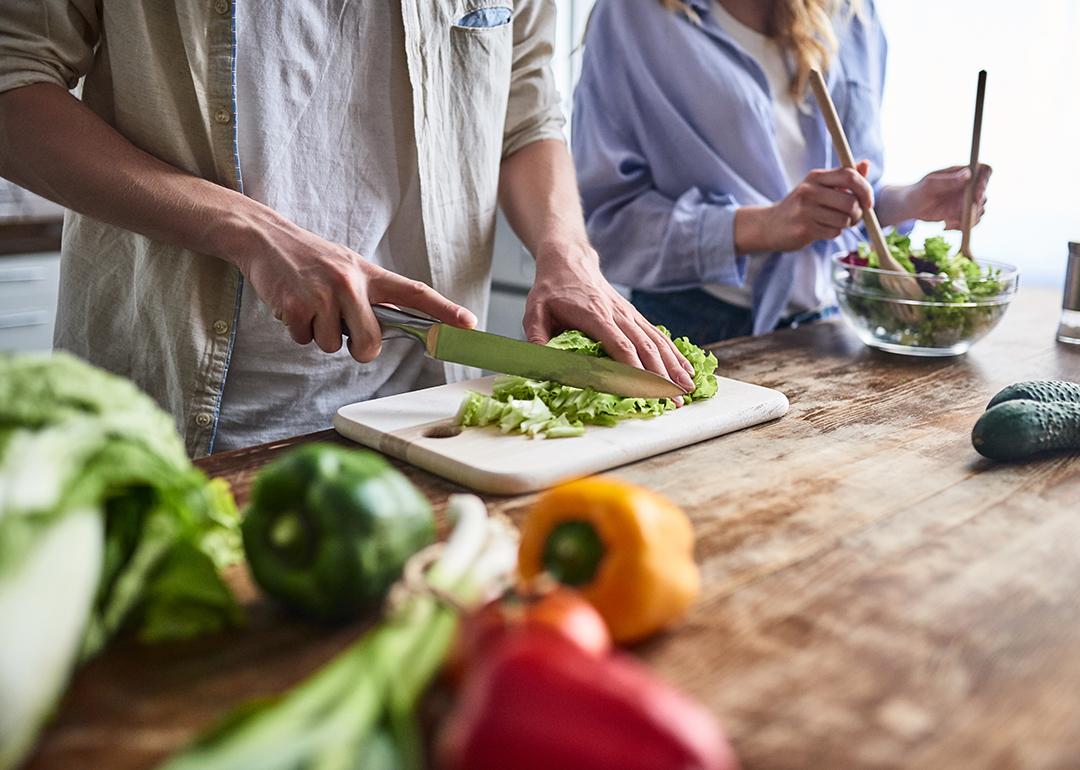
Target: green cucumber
{"points": [[1045, 391], [1017, 430]]}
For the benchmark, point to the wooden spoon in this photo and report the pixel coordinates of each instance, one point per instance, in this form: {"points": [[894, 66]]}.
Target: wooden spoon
{"points": [[905, 286], [969, 193]]}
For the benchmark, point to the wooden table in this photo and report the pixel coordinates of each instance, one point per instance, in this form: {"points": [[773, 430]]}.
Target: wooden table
{"points": [[875, 594]]}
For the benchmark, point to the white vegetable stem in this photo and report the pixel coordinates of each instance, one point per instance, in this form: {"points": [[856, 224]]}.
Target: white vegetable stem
{"points": [[480, 554], [45, 602]]}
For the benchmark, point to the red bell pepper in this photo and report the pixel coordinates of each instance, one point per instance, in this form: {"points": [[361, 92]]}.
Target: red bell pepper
{"points": [[540, 702], [559, 609]]}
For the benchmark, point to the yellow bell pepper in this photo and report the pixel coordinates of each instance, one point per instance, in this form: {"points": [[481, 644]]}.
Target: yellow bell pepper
{"points": [[629, 551]]}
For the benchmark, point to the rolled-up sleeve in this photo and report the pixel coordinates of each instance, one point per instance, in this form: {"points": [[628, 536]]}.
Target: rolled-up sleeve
{"points": [[648, 237], [47, 41], [533, 110]]}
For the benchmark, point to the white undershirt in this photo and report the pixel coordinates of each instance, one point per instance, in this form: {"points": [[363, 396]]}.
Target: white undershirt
{"points": [[326, 138], [810, 287]]}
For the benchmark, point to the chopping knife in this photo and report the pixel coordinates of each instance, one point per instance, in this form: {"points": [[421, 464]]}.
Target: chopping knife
{"points": [[525, 359]]}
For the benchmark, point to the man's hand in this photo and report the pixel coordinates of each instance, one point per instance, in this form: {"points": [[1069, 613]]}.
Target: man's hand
{"points": [[312, 285], [571, 293], [819, 208], [540, 197], [52, 144]]}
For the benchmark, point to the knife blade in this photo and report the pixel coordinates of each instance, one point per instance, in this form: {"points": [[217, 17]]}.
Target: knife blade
{"points": [[525, 359]]}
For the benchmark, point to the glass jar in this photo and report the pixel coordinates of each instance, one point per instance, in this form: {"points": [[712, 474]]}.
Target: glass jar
{"points": [[1069, 328]]}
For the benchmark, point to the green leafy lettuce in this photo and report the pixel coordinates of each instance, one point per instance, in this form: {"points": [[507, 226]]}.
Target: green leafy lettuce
{"points": [[553, 410], [79, 444], [960, 288]]}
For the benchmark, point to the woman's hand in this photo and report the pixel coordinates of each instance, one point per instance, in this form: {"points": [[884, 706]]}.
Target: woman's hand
{"points": [[312, 285], [571, 293], [820, 207], [937, 197]]}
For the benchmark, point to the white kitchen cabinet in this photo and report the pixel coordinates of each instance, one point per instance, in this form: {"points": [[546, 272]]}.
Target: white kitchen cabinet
{"points": [[28, 288]]}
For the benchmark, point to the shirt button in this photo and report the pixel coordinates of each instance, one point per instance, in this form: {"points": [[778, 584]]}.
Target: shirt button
{"points": [[221, 6], [222, 115], [202, 419], [221, 327]]}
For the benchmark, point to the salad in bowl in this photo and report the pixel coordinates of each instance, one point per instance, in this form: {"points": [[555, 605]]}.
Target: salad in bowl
{"points": [[962, 298]]}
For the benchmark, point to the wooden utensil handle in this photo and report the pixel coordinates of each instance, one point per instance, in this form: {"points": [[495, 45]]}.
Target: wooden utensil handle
{"points": [[847, 160], [976, 139]]}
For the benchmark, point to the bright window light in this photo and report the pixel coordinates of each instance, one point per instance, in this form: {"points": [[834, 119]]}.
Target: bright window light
{"points": [[1031, 122]]}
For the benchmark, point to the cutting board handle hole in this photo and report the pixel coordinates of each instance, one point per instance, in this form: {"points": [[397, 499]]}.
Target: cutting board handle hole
{"points": [[445, 430]]}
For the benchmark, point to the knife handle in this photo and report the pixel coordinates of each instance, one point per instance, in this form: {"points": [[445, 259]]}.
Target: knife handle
{"points": [[416, 326]]}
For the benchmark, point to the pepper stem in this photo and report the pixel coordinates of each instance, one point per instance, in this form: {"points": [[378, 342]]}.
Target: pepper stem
{"points": [[289, 538], [573, 552]]}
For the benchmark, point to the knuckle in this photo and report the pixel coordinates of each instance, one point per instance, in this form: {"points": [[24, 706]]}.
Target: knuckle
{"points": [[293, 312], [363, 351], [340, 279], [596, 307], [623, 345], [646, 349]]}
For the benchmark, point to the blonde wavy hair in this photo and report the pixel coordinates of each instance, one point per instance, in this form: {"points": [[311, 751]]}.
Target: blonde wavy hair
{"points": [[803, 28]]}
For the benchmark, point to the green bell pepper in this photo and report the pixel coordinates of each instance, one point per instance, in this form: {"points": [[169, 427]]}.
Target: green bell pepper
{"points": [[329, 529]]}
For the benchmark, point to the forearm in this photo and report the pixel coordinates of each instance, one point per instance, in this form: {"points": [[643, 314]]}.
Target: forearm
{"points": [[538, 193], [53, 145], [896, 204]]}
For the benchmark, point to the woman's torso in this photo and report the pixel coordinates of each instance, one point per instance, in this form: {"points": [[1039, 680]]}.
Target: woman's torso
{"points": [[810, 290], [694, 108]]}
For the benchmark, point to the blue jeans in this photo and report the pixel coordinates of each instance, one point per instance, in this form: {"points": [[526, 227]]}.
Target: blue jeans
{"points": [[694, 313], [705, 319]]}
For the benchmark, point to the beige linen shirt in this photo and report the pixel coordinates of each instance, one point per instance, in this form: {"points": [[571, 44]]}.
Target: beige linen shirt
{"points": [[162, 74]]}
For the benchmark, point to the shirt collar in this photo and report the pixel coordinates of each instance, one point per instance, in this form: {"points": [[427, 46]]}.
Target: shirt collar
{"points": [[699, 6]]}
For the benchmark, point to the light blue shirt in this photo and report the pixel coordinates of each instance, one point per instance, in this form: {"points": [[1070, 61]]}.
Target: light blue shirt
{"points": [[673, 131]]}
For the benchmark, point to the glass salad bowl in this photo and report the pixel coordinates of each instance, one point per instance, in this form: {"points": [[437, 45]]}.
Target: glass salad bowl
{"points": [[955, 312]]}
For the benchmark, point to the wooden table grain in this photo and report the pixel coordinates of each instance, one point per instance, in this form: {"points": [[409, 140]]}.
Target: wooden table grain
{"points": [[875, 594]]}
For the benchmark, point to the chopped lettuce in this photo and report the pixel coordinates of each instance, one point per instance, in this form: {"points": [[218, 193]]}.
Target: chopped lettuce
{"points": [[936, 250], [543, 408]]}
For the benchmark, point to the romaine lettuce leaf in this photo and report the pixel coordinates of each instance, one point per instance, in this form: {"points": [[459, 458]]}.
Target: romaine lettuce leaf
{"points": [[78, 442]]}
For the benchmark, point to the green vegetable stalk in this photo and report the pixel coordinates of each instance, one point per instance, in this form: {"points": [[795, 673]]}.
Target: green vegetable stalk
{"points": [[358, 712], [104, 523], [535, 407], [329, 529]]}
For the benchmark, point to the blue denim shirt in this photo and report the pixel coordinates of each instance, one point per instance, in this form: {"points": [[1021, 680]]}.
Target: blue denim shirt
{"points": [[673, 131]]}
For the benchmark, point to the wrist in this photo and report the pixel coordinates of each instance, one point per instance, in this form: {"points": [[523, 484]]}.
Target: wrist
{"points": [[246, 233], [565, 251], [898, 203], [751, 229]]}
